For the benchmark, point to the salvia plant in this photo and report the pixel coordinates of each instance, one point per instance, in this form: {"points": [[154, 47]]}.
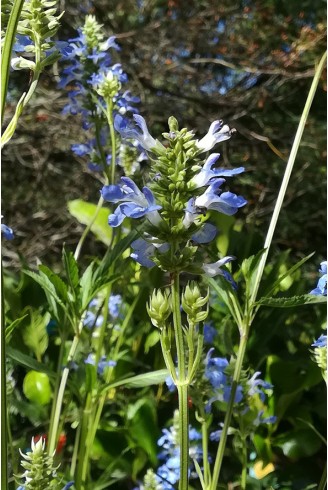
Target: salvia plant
{"points": [[160, 275]]}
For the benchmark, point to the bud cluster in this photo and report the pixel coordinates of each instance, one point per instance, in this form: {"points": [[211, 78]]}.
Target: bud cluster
{"points": [[159, 308], [39, 470], [193, 302]]}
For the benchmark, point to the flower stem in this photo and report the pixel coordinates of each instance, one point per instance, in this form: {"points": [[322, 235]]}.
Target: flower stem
{"points": [[61, 390], [4, 413], [228, 415], [244, 468], [182, 385], [87, 229], [7, 50], [97, 407], [323, 481], [287, 175]]}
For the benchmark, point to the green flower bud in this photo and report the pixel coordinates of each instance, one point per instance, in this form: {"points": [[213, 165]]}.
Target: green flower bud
{"points": [[109, 86], [173, 124], [150, 482], [92, 31], [159, 308], [193, 302], [39, 469]]}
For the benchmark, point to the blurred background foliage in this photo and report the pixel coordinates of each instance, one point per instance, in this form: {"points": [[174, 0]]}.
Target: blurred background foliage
{"points": [[246, 62], [251, 64]]}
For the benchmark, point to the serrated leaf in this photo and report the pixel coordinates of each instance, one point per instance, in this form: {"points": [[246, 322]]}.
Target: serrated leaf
{"points": [[305, 299], [60, 286], [71, 268], [86, 285], [49, 290], [84, 212], [35, 334]]}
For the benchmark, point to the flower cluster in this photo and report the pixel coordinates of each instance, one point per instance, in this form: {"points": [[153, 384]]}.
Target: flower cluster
{"points": [[169, 472], [40, 471], [321, 288], [182, 190], [37, 25], [94, 317], [250, 393], [95, 84]]}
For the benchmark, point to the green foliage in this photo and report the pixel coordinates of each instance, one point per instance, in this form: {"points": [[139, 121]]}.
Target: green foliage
{"points": [[84, 213]]}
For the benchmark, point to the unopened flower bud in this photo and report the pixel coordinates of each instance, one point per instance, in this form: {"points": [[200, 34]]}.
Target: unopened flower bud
{"points": [[109, 86], [193, 301], [159, 308]]}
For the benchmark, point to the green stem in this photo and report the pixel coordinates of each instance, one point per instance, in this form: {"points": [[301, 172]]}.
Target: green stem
{"points": [[98, 405], [274, 219], [109, 114], [87, 229], [58, 379], [61, 390], [4, 413], [182, 385], [228, 415], [8, 133], [244, 468], [206, 465], [7, 49], [323, 482], [287, 175], [87, 414]]}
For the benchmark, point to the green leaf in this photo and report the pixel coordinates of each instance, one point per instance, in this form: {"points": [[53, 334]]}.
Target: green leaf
{"points": [[11, 327], [35, 334], [60, 286], [287, 273], [140, 380], [71, 268], [304, 299], [298, 443], [86, 285], [28, 361], [143, 428], [49, 290], [84, 212]]}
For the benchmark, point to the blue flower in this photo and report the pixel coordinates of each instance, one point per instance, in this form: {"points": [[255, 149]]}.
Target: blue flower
{"points": [[205, 234], [7, 232], [114, 304], [226, 203], [264, 420], [129, 131], [256, 386], [135, 203], [216, 134], [169, 472], [214, 269], [320, 342], [144, 250], [102, 364], [209, 333], [321, 289], [207, 173]]}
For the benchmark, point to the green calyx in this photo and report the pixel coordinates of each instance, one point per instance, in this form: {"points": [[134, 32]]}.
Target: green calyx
{"points": [[159, 308], [193, 303]]}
